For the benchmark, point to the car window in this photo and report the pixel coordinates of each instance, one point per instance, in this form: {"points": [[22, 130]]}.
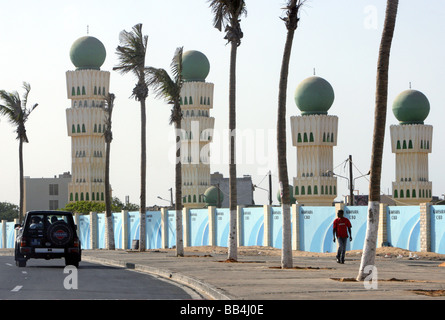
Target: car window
{"points": [[57, 218], [36, 222]]}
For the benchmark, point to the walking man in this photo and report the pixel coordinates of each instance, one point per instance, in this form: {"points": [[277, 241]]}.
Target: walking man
{"points": [[342, 226]]}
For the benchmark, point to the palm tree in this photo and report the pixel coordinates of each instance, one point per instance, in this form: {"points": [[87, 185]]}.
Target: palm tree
{"points": [[291, 20], [170, 89], [381, 102], [131, 54], [228, 13], [108, 136], [17, 112]]}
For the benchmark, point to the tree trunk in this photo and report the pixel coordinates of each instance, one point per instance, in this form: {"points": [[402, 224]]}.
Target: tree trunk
{"points": [[178, 192], [369, 248], [143, 208], [286, 252], [232, 250], [109, 233], [21, 173]]}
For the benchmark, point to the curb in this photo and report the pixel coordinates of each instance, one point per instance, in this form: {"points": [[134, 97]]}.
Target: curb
{"points": [[200, 286]]}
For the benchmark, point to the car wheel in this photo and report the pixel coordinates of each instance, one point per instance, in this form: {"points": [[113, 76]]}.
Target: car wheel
{"points": [[72, 261], [21, 263], [60, 233]]}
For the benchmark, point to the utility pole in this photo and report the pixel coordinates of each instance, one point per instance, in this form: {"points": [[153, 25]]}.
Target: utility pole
{"points": [[351, 183], [270, 188], [171, 196]]}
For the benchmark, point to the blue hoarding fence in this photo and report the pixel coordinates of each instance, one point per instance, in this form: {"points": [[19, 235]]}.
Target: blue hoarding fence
{"points": [[414, 228]]}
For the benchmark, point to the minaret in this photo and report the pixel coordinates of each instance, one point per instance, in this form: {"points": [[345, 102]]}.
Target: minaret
{"points": [[87, 87], [197, 128], [411, 141], [314, 133]]}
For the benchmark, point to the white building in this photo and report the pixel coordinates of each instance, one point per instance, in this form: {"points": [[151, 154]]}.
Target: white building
{"points": [[86, 88], [411, 141], [197, 126], [46, 193], [314, 134]]}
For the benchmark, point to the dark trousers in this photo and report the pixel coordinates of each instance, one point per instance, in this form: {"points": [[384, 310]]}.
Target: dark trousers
{"points": [[341, 249]]}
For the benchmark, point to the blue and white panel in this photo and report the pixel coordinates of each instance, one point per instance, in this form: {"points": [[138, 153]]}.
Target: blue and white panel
{"points": [[199, 227], [154, 229], [84, 231], [222, 222], [358, 216], [316, 229], [171, 228], [276, 227], [437, 229], [253, 226], [133, 220], [10, 235], [403, 227], [117, 228], [101, 230]]}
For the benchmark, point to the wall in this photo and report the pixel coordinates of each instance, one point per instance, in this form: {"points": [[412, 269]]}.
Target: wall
{"points": [[415, 228]]}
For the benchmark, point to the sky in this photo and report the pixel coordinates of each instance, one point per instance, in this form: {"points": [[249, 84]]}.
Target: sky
{"points": [[339, 39]]}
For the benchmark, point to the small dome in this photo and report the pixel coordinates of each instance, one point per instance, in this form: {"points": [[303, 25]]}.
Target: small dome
{"points": [[211, 196], [291, 193], [88, 53], [411, 107], [314, 95], [195, 66]]}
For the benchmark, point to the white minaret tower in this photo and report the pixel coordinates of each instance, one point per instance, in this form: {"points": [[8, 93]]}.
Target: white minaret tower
{"points": [[197, 126], [314, 133], [411, 141], [87, 87]]}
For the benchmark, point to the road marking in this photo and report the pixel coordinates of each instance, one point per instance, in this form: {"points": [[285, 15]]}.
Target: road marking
{"points": [[8, 264], [16, 289]]}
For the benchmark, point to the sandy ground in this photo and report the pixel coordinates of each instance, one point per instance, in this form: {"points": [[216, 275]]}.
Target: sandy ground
{"points": [[386, 252]]}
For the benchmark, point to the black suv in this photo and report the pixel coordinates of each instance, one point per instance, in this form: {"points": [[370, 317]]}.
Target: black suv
{"points": [[47, 235]]}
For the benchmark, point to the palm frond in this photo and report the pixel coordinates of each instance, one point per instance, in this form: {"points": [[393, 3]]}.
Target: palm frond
{"points": [[132, 51], [227, 14], [162, 85], [176, 66], [16, 111]]}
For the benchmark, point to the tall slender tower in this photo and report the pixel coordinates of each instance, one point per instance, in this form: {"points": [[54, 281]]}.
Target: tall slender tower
{"points": [[314, 133], [411, 141], [86, 88], [197, 128]]}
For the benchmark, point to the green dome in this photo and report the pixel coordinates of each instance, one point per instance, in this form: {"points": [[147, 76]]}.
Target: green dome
{"points": [[88, 53], [291, 193], [314, 95], [411, 107], [211, 196], [195, 66]]}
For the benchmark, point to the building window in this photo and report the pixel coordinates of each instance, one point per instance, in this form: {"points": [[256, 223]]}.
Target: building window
{"points": [[73, 91], [53, 189], [83, 91], [53, 204]]}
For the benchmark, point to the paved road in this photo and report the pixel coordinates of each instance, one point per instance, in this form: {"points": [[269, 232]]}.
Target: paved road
{"points": [[43, 279]]}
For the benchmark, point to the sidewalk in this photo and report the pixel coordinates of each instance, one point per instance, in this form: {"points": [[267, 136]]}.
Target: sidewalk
{"points": [[257, 274]]}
